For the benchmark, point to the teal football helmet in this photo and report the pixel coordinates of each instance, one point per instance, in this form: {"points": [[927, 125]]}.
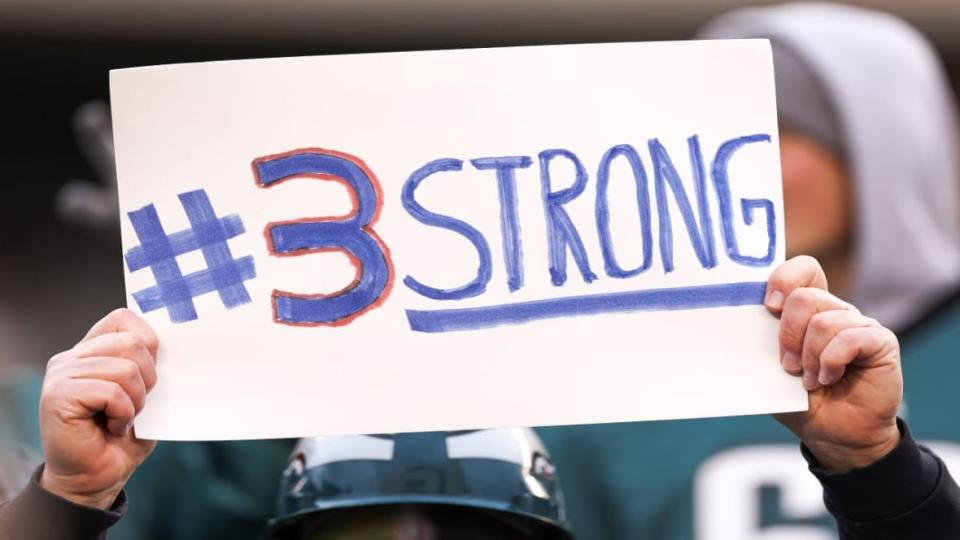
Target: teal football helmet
{"points": [[500, 480]]}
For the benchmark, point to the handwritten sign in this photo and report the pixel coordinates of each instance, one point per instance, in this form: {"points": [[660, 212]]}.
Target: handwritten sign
{"points": [[454, 239]]}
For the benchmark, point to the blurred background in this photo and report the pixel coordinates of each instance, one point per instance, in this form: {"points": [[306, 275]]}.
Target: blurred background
{"points": [[60, 264]]}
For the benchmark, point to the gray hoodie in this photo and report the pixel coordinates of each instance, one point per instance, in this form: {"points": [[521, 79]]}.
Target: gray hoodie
{"points": [[898, 125]]}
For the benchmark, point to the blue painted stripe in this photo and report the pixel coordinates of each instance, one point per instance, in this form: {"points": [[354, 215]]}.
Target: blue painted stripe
{"points": [[181, 291], [703, 296], [182, 242]]}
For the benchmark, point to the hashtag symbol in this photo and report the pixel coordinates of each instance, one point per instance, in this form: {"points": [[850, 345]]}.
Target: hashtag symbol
{"points": [[159, 251]]}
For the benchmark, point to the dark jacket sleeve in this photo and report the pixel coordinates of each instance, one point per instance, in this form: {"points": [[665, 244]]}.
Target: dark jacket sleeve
{"points": [[36, 513], [908, 494]]}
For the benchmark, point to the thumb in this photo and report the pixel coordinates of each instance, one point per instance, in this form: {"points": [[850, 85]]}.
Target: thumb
{"points": [[799, 272]]}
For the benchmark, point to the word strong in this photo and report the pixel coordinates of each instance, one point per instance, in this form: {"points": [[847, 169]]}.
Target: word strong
{"points": [[564, 236]]}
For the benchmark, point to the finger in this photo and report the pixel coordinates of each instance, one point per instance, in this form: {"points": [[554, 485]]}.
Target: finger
{"points": [[798, 308], [821, 329], [124, 320], [120, 371], [854, 345], [97, 396], [122, 345], [798, 272]]}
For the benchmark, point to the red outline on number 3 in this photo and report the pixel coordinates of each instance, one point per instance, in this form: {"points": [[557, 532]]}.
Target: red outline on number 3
{"points": [[368, 229]]}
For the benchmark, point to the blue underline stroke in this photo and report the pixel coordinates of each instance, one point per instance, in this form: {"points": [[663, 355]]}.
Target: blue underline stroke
{"points": [[673, 299]]}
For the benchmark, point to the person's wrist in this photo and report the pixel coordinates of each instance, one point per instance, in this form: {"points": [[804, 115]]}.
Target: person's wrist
{"points": [[68, 489], [836, 457]]}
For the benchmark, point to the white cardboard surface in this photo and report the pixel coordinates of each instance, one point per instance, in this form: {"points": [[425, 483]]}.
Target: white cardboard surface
{"points": [[236, 373]]}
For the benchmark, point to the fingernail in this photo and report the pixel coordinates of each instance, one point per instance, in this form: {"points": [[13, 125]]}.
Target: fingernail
{"points": [[774, 299], [791, 361], [810, 381], [824, 378], [126, 429]]}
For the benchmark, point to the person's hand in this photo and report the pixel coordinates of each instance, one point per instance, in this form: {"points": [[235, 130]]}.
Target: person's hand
{"points": [[90, 397], [849, 363]]}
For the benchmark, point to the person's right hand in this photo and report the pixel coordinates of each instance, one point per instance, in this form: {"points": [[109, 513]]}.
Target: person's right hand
{"points": [[850, 365], [90, 397]]}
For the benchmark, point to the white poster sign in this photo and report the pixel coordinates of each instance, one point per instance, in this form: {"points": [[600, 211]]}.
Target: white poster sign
{"points": [[454, 239]]}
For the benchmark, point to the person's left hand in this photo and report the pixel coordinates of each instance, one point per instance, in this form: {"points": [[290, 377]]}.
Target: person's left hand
{"points": [[91, 395], [849, 363]]}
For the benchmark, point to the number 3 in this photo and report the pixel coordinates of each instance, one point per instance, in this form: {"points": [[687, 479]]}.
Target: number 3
{"points": [[351, 234]]}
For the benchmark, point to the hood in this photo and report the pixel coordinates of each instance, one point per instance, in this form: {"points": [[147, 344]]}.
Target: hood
{"points": [[899, 127]]}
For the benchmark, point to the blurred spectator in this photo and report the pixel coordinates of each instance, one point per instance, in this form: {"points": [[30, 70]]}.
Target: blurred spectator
{"points": [[869, 157], [18, 430], [17, 463]]}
